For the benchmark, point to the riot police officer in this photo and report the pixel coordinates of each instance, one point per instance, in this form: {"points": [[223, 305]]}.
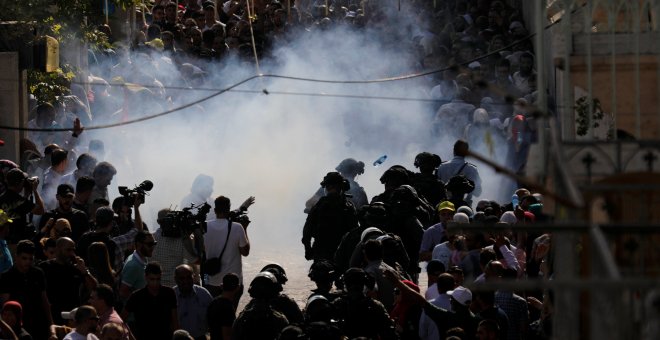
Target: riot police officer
{"points": [[360, 315], [426, 182], [259, 320], [330, 218], [282, 302]]}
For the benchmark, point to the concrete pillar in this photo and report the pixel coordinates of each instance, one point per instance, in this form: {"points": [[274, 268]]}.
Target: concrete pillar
{"points": [[12, 105]]}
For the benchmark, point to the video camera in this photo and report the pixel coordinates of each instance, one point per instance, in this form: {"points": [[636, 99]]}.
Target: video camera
{"points": [[240, 216], [184, 222], [140, 189]]}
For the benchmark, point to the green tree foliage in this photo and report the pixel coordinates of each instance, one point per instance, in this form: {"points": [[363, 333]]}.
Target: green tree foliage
{"points": [[71, 22]]}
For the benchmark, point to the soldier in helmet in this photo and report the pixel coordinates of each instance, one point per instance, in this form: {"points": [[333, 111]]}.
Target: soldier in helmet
{"points": [[392, 178], [349, 168], [358, 314], [323, 274], [370, 216], [405, 223], [282, 302], [330, 218], [259, 320], [426, 182]]}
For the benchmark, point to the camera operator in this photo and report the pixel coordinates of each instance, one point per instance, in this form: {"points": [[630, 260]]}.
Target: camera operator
{"points": [[220, 233], [171, 251], [18, 206], [124, 235], [124, 220]]}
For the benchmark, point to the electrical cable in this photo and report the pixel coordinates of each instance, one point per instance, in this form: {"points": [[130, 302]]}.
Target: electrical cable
{"points": [[248, 79], [136, 120]]}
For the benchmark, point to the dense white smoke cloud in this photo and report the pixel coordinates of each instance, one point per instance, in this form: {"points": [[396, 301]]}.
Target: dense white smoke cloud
{"points": [[278, 147]]}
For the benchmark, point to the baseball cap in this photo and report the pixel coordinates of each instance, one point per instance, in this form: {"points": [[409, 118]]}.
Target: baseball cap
{"points": [[461, 294], [446, 205], [71, 315], [65, 190]]}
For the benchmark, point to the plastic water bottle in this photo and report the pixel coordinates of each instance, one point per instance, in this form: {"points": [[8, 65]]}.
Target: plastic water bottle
{"points": [[514, 201], [380, 160]]}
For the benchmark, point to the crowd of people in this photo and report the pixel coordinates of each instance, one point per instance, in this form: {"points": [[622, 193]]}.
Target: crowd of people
{"points": [[77, 264]]}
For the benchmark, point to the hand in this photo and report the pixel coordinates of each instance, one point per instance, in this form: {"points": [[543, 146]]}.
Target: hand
{"points": [[248, 202], [534, 302], [48, 225], [79, 263], [309, 254], [499, 241], [137, 200], [77, 127], [520, 213]]}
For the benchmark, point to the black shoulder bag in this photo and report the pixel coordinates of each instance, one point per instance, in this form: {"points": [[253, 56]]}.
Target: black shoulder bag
{"points": [[213, 265]]}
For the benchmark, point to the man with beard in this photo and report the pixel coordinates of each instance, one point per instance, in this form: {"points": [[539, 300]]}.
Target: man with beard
{"points": [[77, 218]]}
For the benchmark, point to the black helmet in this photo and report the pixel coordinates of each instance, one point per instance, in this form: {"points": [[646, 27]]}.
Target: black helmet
{"points": [[276, 270], [335, 178], [395, 175], [350, 166], [427, 158], [318, 308], [405, 193], [374, 213], [357, 278], [264, 286], [322, 270]]}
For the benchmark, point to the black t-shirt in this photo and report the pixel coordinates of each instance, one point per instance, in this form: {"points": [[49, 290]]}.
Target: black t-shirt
{"points": [[17, 207], [445, 320], [498, 315], [153, 314], [64, 283], [77, 219], [27, 289], [220, 314], [95, 236]]}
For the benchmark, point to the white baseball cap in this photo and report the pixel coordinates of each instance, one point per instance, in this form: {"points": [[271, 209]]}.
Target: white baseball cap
{"points": [[461, 294]]}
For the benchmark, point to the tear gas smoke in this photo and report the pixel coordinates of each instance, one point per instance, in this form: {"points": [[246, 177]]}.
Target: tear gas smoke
{"points": [[278, 147]]}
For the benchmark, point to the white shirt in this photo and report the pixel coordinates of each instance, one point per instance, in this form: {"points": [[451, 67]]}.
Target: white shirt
{"points": [[427, 328], [449, 169], [214, 241], [442, 253]]}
